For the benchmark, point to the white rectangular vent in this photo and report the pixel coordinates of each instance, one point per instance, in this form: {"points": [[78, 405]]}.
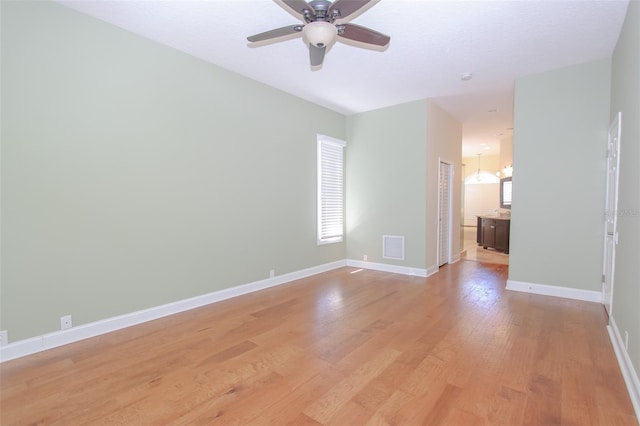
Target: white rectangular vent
{"points": [[393, 247]]}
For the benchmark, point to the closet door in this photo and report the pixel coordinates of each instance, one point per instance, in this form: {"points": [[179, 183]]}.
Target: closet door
{"points": [[444, 211], [611, 214]]}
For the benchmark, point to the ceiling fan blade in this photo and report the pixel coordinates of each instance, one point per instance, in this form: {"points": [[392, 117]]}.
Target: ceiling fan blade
{"points": [[278, 32], [364, 35], [349, 7], [316, 54], [296, 7]]}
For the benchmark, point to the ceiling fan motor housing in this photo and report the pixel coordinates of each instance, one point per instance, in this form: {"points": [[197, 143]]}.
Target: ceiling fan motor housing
{"points": [[320, 12]]}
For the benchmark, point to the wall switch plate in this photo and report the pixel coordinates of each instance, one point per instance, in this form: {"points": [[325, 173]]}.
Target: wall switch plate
{"points": [[272, 273], [4, 337], [65, 322], [364, 257]]}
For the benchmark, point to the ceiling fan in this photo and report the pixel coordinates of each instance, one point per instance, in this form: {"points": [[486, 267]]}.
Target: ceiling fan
{"points": [[324, 22]]}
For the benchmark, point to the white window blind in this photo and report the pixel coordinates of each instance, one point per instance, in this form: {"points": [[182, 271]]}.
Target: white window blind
{"points": [[330, 189]]}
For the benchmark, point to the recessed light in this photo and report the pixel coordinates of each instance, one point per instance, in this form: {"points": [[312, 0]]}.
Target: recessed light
{"points": [[466, 76]]}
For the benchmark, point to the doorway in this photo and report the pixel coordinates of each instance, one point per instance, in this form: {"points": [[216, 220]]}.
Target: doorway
{"points": [[482, 199]]}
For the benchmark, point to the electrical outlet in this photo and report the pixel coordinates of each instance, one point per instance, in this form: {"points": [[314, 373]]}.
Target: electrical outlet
{"points": [[4, 337], [272, 273], [65, 322], [364, 257]]}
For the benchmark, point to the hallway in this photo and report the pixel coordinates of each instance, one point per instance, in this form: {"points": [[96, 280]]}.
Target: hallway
{"points": [[471, 250]]}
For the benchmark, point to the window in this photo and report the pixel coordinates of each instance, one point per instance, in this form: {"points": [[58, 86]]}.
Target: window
{"points": [[330, 189], [505, 193]]}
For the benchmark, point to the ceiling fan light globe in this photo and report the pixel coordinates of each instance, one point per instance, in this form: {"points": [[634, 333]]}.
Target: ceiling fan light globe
{"points": [[320, 33]]}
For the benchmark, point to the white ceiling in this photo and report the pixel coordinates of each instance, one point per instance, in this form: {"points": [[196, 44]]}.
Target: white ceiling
{"points": [[432, 44]]}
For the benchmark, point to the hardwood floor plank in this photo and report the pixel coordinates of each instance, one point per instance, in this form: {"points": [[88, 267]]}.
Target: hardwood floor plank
{"points": [[544, 402], [443, 408], [339, 348], [507, 407], [421, 407], [351, 413], [391, 411], [291, 405], [325, 407], [517, 360], [579, 400], [231, 352]]}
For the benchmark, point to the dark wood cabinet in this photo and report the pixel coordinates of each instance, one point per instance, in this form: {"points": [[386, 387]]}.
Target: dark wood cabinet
{"points": [[493, 232]]}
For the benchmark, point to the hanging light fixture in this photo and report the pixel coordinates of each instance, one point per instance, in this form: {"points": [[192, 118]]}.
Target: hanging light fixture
{"points": [[320, 34], [480, 176]]}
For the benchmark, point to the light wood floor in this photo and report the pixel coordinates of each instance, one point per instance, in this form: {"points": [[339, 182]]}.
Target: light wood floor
{"points": [[474, 252], [343, 348], [488, 255]]}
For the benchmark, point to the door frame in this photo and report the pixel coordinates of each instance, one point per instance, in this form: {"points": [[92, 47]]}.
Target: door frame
{"points": [[611, 214], [449, 166]]}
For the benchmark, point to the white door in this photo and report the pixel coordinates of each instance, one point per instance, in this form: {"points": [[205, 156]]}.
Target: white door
{"points": [[444, 213], [610, 213]]}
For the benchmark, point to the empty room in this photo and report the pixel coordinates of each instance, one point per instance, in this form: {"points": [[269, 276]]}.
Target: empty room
{"points": [[256, 212]]}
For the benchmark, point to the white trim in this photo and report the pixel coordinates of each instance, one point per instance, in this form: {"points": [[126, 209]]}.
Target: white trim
{"points": [[384, 267], [58, 338], [432, 270], [626, 367], [557, 291]]}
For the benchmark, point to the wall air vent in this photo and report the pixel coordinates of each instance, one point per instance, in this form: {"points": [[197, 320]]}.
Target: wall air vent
{"points": [[393, 247]]}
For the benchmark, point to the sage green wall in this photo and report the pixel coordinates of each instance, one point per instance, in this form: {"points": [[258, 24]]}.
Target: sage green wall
{"points": [[444, 143], [392, 181], [134, 175], [625, 97], [386, 182], [561, 119]]}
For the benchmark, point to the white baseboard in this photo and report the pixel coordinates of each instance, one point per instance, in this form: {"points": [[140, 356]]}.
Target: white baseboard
{"points": [[51, 340], [384, 267], [552, 290], [626, 367], [432, 270]]}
